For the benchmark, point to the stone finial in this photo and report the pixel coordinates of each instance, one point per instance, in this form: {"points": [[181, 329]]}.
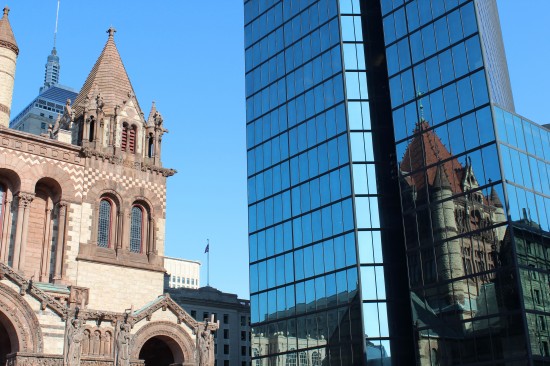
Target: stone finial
{"points": [[111, 31], [6, 11]]}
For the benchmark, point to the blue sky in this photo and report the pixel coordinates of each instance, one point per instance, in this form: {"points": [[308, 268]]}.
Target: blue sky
{"points": [[188, 57]]}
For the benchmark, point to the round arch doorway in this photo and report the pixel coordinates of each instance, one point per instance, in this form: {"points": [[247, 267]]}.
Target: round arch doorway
{"points": [[8, 338], [160, 351]]}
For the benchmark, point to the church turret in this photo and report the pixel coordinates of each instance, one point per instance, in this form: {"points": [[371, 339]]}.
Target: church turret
{"points": [[8, 60], [107, 114], [153, 139], [448, 255]]}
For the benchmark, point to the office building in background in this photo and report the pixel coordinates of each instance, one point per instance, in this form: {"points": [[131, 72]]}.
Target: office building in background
{"points": [[44, 110], [182, 273], [398, 207], [232, 340]]}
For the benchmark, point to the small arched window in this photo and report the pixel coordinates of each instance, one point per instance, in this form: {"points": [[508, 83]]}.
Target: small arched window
{"points": [[291, 359], [136, 229], [91, 127], [128, 141], [104, 223], [304, 359], [151, 146], [316, 359]]}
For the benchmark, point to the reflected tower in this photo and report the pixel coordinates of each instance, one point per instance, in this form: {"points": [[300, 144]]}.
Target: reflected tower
{"points": [[379, 193]]}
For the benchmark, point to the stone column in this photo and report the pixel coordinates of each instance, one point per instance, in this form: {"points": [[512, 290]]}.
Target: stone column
{"points": [[6, 231], [21, 230], [46, 241], [60, 245], [125, 231], [151, 247], [158, 149]]}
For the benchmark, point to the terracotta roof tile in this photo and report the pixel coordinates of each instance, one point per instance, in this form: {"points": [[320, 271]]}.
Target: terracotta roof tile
{"points": [[108, 77], [7, 39], [426, 149]]}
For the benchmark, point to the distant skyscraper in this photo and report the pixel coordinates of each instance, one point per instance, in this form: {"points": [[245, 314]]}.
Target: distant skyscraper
{"points": [[48, 105], [381, 220], [51, 76]]}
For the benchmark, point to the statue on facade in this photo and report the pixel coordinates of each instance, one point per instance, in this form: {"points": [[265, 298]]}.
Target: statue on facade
{"points": [[73, 343], [123, 344], [204, 347]]}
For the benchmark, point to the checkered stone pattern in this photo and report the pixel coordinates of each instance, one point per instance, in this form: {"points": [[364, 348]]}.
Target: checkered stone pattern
{"points": [[74, 172], [93, 175]]}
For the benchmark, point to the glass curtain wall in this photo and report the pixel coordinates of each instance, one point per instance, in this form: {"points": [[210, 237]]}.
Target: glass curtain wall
{"points": [[525, 152], [313, 239], [303, 261], [462, 271]]}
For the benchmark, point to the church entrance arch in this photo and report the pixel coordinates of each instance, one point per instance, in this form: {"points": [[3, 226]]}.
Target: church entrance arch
{"points": [[163, 343], [8, 338], [157, 351]]}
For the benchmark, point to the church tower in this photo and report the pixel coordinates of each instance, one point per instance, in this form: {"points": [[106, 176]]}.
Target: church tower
{"points": [[107, 116], [8, 59]]}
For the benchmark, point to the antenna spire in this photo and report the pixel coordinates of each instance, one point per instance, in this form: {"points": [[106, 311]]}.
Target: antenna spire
{"points": [[56, 21]]}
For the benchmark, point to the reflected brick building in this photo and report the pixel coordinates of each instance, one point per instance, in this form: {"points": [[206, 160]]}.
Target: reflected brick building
{"points": [[387, 170]]}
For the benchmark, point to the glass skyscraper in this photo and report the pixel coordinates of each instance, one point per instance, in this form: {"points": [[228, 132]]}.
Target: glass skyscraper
{"points": [[398, 208]]}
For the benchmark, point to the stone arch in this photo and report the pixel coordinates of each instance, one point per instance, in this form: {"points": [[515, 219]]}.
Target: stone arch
{"points": [[106, 187], [10, 179], [20, 322], [137, 194], [35, 173], [178, 340]]}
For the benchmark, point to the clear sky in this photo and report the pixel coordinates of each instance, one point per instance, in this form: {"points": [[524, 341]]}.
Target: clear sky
{"points": [[187, 56]]}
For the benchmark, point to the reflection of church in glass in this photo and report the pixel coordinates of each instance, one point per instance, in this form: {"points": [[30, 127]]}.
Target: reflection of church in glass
{"points": [[453, 240]]}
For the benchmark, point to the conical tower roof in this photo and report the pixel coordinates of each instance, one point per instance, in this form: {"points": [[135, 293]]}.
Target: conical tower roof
{"points": [[7, 39], [108, 77], [495, 199]]}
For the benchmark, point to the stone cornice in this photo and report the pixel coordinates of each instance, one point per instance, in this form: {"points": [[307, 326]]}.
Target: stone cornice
{"points": [[9, 46], [119, 160]]}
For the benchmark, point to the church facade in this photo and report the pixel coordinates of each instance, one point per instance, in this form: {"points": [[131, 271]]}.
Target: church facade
{"points": [[82, 231]]}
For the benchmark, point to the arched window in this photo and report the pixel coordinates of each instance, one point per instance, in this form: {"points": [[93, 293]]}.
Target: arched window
{"points": [[128, 141], [303, 359], [91, 127], [136, 229], [104, 223], [315, 359], [291, 359], [150, 146]]}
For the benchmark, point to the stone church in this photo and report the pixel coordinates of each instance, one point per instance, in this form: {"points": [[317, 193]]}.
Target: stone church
{"points": [[82, 217]]}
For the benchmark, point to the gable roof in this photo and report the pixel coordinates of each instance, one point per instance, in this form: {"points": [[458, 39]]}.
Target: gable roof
{"points": [[108, 77]]}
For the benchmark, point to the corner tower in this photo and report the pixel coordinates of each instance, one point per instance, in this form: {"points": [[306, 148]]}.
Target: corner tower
{"points": [[8, 59], [107, 116]]}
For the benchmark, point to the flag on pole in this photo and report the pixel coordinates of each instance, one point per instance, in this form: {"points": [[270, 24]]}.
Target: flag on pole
{"points": [[207, 249]]}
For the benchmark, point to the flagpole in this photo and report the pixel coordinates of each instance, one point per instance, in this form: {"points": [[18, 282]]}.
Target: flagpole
{"points": [[207, 251]]}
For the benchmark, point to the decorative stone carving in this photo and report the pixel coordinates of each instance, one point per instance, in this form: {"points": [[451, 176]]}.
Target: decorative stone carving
{"points": [[124, 342], [205, 347], [79, 296], [25, 199], [73, 342]]}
